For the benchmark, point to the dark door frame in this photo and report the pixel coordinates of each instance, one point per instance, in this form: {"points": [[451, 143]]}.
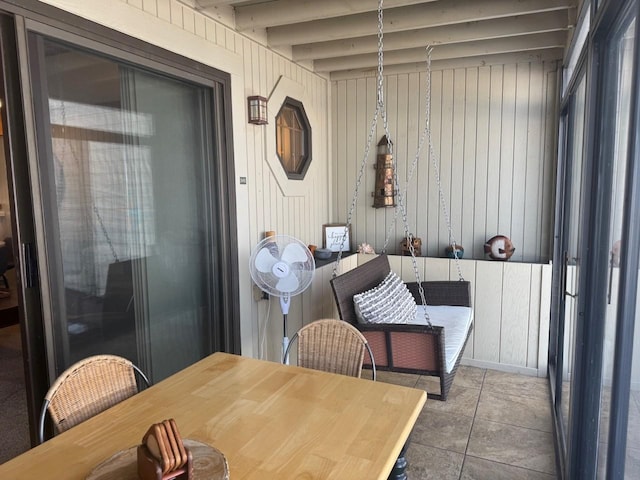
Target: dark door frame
{"points": [[17, 18]]}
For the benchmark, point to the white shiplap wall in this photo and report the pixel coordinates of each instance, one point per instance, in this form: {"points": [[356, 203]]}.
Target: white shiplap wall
{"points": [[493, 132], [263, 203]]}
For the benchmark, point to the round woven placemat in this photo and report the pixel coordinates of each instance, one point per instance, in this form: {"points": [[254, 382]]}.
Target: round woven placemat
{"points": [[209, 463]]}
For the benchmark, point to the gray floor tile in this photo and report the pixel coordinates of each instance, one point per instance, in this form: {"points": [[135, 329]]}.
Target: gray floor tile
{"points": [[469, 377], [480, 469], [442, 430], [517, 446], [529, 412], [428, 463], [461, 400], [472, 377], [514, 384]]}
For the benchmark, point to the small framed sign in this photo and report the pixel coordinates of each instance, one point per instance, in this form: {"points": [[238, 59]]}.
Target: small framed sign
{"points": [[336, 235]]}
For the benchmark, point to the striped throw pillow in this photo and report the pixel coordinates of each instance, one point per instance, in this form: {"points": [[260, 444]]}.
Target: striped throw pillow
{"points": [[389, 302]]}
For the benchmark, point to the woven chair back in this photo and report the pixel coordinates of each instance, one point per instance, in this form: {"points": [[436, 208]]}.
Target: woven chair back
{"points": [[89, 387], [332, 346]]}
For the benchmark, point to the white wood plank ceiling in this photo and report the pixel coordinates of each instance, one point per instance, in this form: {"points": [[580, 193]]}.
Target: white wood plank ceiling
{"points": [[339, 36]]}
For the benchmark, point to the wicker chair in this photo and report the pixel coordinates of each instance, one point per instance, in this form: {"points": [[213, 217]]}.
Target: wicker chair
{"points": [[87, 388], [405, 348], [332, 346]]}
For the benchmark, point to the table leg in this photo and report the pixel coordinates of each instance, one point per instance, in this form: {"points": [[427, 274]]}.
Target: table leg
{"points": [[398, 472]]}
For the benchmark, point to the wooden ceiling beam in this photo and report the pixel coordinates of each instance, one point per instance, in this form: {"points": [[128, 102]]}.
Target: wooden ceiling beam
{"points": [[543, 55], [284, 12], [462, 32], [521, 43], [431, 14]]}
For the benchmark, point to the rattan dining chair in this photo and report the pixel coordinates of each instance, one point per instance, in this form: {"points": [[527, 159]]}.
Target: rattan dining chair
{"points": [[332, 346], [87, 388]]}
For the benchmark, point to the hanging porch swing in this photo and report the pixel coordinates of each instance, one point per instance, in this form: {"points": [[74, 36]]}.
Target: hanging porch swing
{"points": [[417, 327]]}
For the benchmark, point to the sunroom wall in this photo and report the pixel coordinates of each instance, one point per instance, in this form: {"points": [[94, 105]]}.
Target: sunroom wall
{"points": [[265, 202], [494, 137]]}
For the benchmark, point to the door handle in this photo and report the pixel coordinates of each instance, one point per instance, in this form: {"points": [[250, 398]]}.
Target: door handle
{"points": [[30, 265], [564, 275]]}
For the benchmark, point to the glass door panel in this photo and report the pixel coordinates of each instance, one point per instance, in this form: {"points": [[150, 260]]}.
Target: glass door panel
{"points": [[125, 159], [571, 256], [618, 90]]}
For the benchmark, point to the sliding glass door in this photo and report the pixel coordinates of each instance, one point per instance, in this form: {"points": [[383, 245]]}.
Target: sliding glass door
{"points": [[568, 251], [594, 359], [129, 160]]}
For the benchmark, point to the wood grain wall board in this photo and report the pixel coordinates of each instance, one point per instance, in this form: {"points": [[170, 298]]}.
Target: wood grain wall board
{"points": [[352, 165], [408, 274], [495, 153], [468, 164], [436, 269], [481, 184], [535, 298], [507, 152], [514, 326], [545, 319], [489, 127], [360, 142], [457, 165], [534, 174], [488, 311], [548, 181], [468, 269], [520, 160], [433, 199]]}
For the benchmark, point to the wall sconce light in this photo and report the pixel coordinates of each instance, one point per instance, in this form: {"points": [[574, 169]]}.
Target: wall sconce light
{"points": [[257, 110]]}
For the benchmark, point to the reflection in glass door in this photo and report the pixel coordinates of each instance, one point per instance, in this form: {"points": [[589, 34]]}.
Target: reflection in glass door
{"points": [[125, 166]]}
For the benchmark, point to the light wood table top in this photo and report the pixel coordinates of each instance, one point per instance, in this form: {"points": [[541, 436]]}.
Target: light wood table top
{"points": [[271, 421]]}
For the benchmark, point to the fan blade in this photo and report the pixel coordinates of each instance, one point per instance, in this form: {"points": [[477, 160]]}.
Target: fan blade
{"points": [[288, 284], [294, 252], [264, 260]]}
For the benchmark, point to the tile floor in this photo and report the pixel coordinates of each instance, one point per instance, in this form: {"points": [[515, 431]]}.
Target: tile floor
{"points": [[494, 425]]}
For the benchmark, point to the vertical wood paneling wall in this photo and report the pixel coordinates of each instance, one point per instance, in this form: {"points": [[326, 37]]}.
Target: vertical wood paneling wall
{"points": [[511, 303], [262, 203], [493, 132]]}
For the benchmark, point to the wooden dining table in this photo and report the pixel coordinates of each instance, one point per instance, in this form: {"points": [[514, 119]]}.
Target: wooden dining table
{"points": [[270, 421]]}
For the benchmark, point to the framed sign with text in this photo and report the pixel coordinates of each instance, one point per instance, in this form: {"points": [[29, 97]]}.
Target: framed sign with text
{"points": [[335, 235]]}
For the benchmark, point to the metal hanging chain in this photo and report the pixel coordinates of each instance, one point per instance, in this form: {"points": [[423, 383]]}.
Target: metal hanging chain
{"points": [[93, 204], [401, 207], [372, 130], [426, 133]]}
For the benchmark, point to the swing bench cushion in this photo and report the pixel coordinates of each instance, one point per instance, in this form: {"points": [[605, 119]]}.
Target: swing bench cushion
{"points": [[389, 302]]}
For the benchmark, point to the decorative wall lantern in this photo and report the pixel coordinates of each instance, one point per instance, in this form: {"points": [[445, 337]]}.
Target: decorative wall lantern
{"points": [[257, 110], [384, 194]]}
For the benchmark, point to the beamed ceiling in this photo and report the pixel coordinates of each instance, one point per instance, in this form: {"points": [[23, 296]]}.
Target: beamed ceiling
{"points": [[338, 37]]}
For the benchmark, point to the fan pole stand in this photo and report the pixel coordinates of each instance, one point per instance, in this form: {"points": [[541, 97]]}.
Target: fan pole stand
{"points": [[285, 301]]}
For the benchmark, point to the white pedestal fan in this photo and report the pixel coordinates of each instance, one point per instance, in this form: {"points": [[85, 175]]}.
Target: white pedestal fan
{"points": [[282, 266]]}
